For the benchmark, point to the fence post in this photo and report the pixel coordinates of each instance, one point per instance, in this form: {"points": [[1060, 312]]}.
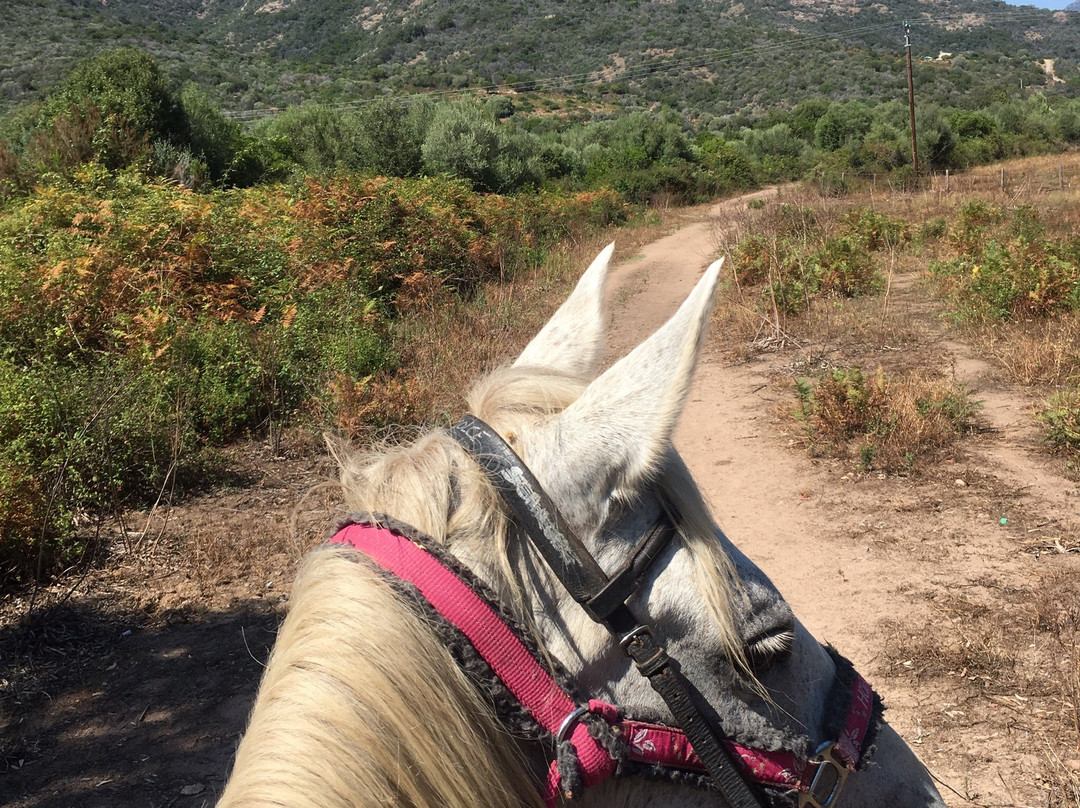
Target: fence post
{"points": [[946, 180], [1061, 182], [1003, 178]]}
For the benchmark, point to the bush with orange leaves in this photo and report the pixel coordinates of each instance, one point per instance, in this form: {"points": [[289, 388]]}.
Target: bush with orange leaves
{"points": [[143, 324]]}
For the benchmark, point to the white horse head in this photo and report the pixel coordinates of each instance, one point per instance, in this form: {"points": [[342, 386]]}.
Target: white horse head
{"points": [[362, 704]]}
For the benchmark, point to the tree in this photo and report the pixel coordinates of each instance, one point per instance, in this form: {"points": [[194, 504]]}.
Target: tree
{"points": [[804, 117], [389, 140], [936, 139], [127, 88], [210, 134], [842, 123], [464, 141], [320, 138]]}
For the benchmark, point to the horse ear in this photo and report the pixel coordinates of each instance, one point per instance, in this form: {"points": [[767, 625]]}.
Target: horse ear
{"points": [[573, 339], [618, 430]]}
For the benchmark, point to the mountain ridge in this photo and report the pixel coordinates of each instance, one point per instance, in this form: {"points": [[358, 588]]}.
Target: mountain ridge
{"points": [[700, 56]]}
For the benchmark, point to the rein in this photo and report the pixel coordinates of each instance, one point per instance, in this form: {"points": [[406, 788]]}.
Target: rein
{"points": [[592, 740]]}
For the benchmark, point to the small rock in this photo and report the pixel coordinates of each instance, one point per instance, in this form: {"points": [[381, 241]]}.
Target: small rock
{"points": [[193, 789], [1073, 764], [960, 483]]}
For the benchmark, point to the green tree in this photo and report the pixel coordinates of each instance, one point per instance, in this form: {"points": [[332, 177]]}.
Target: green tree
{"points": [[843, 123], [320, 138], [126, 86], [804, 117], [464, 141], [389, 140], [209, 133], [936, 139]]}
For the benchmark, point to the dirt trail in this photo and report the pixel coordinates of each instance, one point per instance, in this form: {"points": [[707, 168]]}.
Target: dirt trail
{"points": [[862, 558]]}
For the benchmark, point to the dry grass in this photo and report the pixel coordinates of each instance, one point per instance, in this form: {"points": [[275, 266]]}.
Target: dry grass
{"points": [[1015, 652], [881, 422], [1035, 353]]}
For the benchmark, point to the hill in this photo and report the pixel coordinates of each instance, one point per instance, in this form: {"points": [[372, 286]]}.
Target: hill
{"points": [[698, 56]]}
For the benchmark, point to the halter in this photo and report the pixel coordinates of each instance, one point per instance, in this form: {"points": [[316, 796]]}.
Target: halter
{"points": [[585, 753]]}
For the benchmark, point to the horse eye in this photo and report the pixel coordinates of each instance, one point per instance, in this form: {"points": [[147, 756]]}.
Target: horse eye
{"points": [[765, 649]]}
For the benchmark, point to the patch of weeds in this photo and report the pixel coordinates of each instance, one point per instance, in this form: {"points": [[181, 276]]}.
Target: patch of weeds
{"points": [[1007, 266], [881, 423], [933, 230], [1061, 421], [874, 230], [842, 267], [795, 258], [971, 226], [794, 221], [1038, 352]]}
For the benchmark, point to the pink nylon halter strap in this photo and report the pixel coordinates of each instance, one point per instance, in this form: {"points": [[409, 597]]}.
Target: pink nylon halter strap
{"points": [[552, 708]]}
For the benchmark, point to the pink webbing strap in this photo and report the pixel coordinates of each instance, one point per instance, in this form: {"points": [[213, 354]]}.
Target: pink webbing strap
{"points": [[853, 736], [511, 661], [668, 746]]}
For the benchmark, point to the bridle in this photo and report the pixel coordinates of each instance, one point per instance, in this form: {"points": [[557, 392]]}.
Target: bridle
{"points": [[602, 598], [694, 744]]}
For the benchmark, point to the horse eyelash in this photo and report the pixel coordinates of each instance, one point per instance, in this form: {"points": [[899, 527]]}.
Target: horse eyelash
{"points": [[770, 647]]}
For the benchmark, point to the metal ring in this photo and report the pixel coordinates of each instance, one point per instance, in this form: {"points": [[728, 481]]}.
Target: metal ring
{"points": [[567, 724]]}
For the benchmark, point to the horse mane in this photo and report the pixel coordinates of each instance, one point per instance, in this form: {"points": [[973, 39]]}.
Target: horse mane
{"points": [[362, 701], [360, 696]]}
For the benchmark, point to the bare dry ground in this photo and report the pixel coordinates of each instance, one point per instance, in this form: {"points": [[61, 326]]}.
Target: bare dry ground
{"points": [[127, 683]]}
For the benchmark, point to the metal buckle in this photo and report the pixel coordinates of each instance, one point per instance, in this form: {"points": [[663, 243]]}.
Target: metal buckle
{"points": [[828, 780], [567, 725], [630, 635]]}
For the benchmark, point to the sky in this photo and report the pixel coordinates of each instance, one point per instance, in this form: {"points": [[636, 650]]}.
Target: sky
{"points": [[1054, 4]]}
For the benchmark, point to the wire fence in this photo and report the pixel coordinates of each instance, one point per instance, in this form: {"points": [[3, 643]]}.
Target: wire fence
{"points": [[1048, 177], [1002, 179]]}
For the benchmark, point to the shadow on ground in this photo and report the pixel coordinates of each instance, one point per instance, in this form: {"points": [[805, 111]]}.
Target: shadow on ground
{"points": [[100, 707]]}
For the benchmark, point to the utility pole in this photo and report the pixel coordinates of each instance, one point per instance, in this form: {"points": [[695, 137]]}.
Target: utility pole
{"points": [[911, 100]]}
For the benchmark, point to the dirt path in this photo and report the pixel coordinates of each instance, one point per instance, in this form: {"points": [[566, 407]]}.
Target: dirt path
{"points": [[869, 562]]}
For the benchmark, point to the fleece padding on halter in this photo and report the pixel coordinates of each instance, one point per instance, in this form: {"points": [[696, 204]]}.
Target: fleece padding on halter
{"points": [[492, 638]]}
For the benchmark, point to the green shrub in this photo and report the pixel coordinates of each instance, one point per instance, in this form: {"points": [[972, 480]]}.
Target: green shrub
{"points": [[799, 262], [464, 140], [1007, 265], [1061, 419], [842, 266], [875, 231], [76, 441]]}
